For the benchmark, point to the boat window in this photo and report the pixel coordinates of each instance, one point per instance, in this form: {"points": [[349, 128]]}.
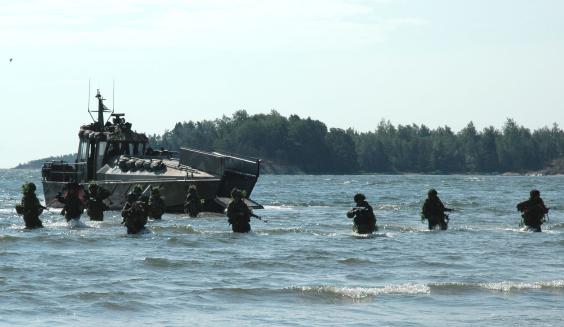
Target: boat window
{"points": [[114, 149], [101, 151], [83, 150], [132, 148], [125, 148]]}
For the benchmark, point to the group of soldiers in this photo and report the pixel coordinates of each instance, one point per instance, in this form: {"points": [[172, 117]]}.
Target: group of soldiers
{"points": [[136, 212], [434, 211], [75, 199], [139, 207]]}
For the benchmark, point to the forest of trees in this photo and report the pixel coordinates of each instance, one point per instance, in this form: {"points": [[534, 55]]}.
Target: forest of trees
{"points": [[313, 148]]}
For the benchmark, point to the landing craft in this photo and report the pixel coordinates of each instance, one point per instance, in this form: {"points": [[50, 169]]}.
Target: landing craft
{"points": [[117, 158]]}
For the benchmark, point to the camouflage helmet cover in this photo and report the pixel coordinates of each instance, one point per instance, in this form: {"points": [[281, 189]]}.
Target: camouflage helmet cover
{"points": [[359, 197]]}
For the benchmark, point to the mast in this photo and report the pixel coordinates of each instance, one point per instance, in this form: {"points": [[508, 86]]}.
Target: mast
{"points": [[101, 109]]}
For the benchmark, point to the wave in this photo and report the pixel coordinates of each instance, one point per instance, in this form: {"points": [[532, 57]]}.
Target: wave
{"points": [[361, 292], [556, 226], [76, 224], [181, 229], [331, 292], [278, 207], [353, 261], [159, 262], [127, 305], [401, 228], [281, 231], [9, 238], [503, 286]]}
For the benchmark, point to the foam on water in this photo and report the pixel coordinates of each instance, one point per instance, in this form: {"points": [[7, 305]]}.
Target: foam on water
{"points": [[362, 292], [503, 286]]}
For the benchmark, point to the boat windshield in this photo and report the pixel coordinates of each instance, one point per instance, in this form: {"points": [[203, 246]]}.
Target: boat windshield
{"points": [[101, 152], [83, 150]]}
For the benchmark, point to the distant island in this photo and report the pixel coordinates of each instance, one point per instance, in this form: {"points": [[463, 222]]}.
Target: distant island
{"points": [[38, 163], [298, 145], [307, 145]]}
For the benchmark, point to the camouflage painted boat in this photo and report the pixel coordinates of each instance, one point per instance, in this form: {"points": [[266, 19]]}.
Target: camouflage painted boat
{"points": [[118, 158]]}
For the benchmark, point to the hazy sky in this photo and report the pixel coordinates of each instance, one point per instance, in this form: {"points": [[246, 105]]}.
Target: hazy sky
{"points": [[348, 63]]}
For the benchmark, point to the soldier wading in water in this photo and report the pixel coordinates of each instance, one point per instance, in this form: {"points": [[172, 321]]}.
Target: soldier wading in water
{"points": [[364, 221], [74, 207], [192, 205], [134, 213], [156, 204], [238, 213], [533, 211], [95, 205], [434, 211], [30, 207]]}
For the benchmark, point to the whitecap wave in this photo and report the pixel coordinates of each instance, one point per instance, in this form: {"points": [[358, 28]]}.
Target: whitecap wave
{"points": [[363, 292], [278, 207], [76, 223], [508, 286], [503, 286]]}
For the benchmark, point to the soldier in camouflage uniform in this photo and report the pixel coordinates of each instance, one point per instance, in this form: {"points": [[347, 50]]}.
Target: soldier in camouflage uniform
{"points": [[533, 211], [364, 221], [434, 211], [192, 205], [95, 205], [73, 205], [238, 213], [134, 214], [30, 207], [156, 204]]}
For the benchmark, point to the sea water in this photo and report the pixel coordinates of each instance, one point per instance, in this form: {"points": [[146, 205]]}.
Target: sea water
{"points": [[304, 267]]}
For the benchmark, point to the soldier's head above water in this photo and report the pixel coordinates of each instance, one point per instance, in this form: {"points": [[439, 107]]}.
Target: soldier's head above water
{"points": [[359, 197], [236, 194], [535, 193], [28, 187], [432, 193], [137, 189], [131, 197], [92, 186]]}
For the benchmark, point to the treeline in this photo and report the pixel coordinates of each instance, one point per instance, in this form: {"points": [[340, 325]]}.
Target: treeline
{"points": [[37, 164], [312, 147]]}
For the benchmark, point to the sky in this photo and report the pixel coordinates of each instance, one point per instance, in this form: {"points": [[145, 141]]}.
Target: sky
{"points": [[348, 63]]}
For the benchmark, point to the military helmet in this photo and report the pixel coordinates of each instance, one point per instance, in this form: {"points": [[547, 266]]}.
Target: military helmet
{"points": [[432, 192], [236, 193], [359, 197], [131, 197], [92, 185], [534, 193], [156, 191], [28, 187], [138, 189]]}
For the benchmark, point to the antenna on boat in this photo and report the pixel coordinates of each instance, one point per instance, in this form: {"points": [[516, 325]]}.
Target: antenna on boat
{"points": [[101, 109], [113, 100], [90, 112], [113, 96]]}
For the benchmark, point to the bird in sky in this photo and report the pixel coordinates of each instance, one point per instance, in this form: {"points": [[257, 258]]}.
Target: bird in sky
{"points": [[11, 59]]}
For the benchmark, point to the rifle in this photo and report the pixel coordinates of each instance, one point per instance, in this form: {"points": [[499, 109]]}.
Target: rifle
{"points": [[258, 217], [45, 208]]}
